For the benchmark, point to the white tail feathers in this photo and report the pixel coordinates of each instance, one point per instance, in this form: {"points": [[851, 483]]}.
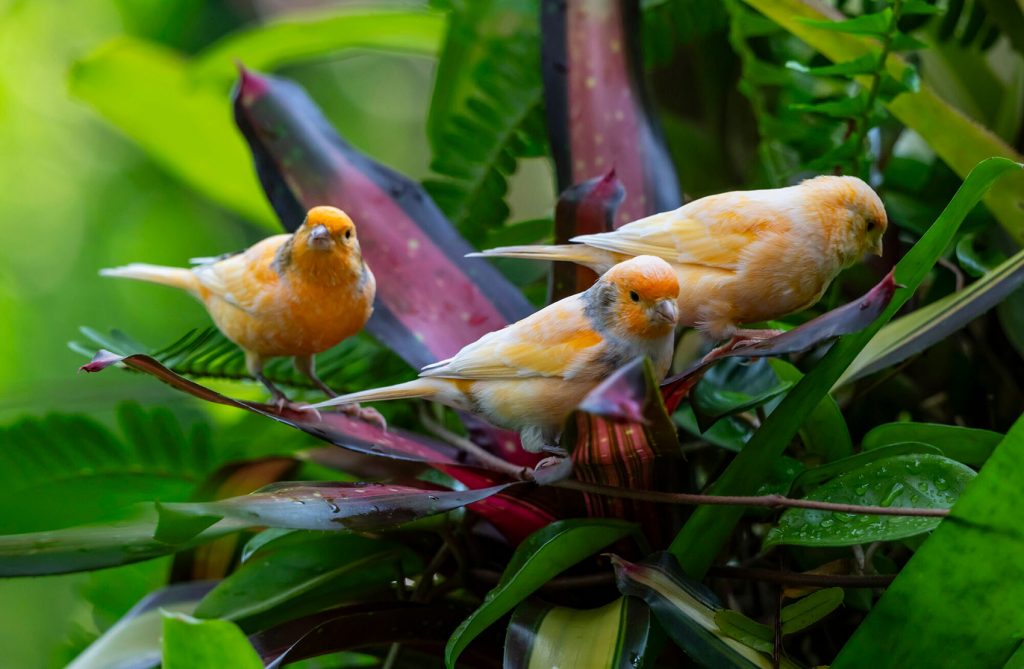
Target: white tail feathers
{"points": [[596, 259], [418, 388], [168, 276]]}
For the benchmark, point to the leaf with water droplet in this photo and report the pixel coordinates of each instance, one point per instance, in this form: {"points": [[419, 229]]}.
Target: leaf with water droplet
{"points": [[908, 480]]}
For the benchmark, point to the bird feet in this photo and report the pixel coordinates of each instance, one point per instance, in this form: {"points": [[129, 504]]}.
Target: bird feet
{"points": [[283, 404], [369, 414]]}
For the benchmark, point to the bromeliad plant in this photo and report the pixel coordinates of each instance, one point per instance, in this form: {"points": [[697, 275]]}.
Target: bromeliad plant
{"points": [[727, 509]]}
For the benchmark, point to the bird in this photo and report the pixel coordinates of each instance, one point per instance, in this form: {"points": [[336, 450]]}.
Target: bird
{"points": [[530, 375], [292, 295], [744, 256]]}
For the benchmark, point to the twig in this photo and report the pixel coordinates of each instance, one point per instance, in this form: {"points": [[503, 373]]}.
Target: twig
{"points": [[797, 578], [483, 455], [769, 501], [564, 583], [427, 577]]}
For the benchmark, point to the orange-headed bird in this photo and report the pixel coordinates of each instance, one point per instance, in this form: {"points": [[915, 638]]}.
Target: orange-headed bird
{"points": [[288, 295], [530, 375], [744, 256]]}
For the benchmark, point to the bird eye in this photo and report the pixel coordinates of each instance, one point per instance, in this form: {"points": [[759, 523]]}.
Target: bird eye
{"points": [[872, 225], [348, 234], [634, 296]]}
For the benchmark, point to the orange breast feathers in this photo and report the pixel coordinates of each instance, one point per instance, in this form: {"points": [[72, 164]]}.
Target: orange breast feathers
{"points": [[743, 256], [288, 295], [530, 375]]}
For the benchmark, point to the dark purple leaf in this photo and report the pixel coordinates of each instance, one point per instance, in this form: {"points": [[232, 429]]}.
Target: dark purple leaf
{"points": [[431, 301], [621, 396], [421, 626], [584, 209], [515, 513], [590, 58], [851, 317]]}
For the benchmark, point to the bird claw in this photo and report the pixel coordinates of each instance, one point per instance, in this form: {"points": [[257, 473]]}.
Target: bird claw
{"points": [[284, 404], [369, 414]]}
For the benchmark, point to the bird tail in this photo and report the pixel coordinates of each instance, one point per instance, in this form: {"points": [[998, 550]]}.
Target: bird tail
{"points": [[168, 276], [596, 259], [417, 388]]}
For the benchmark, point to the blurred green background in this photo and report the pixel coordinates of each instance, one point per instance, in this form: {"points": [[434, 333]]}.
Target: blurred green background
{"points": [[79, 196]]}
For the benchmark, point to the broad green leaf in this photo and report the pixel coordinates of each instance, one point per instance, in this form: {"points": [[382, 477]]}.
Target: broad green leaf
{"points": [[824, 433], [976, 255], [732, 387], [1011, 317], [932, 323], [612, 636], [863, 65], [877, 23], [812, 477], [912, 480], [296, 38], [970, 446], [748, 632], [919, 7], [88, 547], [189, 643], [151, 459], [302, 574], [134, 640], [544, 555], [903, 42], [959, 141], [961, 591], [810, 609], [729, 433], [687, 612], [145, 90], [709, 527]]}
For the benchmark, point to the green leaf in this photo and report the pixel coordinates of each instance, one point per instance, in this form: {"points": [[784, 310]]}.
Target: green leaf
{"points": [[959, 141], [919, 7], [915, 332], [810, 478], [134, 640], [877, 23], [302, 574], [88, 547], [733, 387], [977, 255], [709, 527], [486, 111], [748, 632], [867, 64], [687, 611], [299, 38], [959, 593], [810, 609], [970, 446], [902, 42], [100, 471], [824, 433], [542, 635], [545, 554], [190, 643], [913, 480], [145, 90]]}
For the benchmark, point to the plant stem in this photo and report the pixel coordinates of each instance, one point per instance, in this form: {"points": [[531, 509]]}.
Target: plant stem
{"points": [[876, 84], [488, 459], [796, 578], [769, 501]]}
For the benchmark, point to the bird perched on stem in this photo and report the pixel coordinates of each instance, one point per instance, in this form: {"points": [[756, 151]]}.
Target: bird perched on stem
{"points": [[529, 376], [289, 295], [744, 256]]}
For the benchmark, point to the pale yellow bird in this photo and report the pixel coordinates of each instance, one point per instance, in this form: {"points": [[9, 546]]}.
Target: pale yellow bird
{"points": [[744, 256], [529, 376]]}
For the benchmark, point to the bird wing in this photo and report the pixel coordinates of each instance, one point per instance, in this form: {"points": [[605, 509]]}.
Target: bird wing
{"points": [[558, 341], [242, 279], [710, 232]]}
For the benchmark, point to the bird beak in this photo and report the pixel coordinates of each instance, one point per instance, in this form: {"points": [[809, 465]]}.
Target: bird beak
{"points": [[667, 311], [877, 250], [320, 237]]}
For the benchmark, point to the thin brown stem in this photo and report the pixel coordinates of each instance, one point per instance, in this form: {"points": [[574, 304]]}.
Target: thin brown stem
{"points": [[564, 583], [487, 458], [799, 579], [769, 501]]}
